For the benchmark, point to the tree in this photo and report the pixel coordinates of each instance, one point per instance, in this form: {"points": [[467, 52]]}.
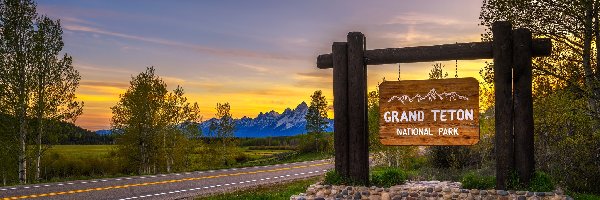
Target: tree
{"points": [[316, 123], [180, 118], [573, 26], [437, 72], [224, 128], [152, 125], [36, 83], [316, 117]]}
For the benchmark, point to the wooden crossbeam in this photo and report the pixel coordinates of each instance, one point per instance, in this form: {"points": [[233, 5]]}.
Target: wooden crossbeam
{"points": [[460, 51]]}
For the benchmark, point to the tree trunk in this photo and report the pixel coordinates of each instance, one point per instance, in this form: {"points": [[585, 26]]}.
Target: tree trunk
{"points": [[40, 129], [587, 67]]}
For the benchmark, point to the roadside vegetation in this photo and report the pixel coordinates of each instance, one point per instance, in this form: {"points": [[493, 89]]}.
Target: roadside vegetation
{"points": [[277, 191]]}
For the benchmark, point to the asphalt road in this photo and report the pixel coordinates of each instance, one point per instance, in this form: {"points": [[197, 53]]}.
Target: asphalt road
{"points": [[169, 186]]}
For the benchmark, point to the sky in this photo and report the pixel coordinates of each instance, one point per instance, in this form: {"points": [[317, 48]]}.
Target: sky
{"points": [[257, 55]]}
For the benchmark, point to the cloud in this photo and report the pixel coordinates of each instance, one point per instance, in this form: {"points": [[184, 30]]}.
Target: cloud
{"points": [[193, 47], [255, 68], [104, 84], [320, 74], [421, 18]]}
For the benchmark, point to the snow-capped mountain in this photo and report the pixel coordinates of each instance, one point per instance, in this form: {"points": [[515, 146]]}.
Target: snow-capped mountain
{"points": [[270, 124]]}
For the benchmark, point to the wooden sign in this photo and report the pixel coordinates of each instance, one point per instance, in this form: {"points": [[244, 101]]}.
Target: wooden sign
{"points": [[429, 112]]}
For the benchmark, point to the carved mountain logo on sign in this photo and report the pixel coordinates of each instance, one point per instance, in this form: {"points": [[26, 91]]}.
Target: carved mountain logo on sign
{"points": [[431, 96]]}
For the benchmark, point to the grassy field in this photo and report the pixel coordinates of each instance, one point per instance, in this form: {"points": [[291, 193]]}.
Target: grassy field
{"points": [[278, 191], [256, 154], [81, 151]]}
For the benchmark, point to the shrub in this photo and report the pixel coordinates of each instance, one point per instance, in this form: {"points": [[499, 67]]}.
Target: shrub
{"points": [[334, 178], [388, 177], [541, 182], [471, 180]]}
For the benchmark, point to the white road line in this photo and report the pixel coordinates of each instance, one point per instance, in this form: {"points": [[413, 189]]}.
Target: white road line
{"points": [[46, 185], [26, 187], [36, 186], [3, 189], [94, 181], [60, 184], [128, 178]]}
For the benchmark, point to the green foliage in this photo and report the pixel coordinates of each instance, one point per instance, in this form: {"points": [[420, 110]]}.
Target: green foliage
{"points": [[567, 141], [223, 128], [37, 84], [153, 126], [541, 182], [334, 178], [473, 180], [316, 142], [278, 191], [316, 117], [387, 177]]}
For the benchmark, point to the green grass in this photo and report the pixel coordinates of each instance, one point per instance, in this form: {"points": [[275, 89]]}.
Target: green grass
{"points": [[81, 151], [580, 196], [278, 191]]}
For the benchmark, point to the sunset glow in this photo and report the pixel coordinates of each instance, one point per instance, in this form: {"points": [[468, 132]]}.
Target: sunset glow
{"points": [[256, 55]]}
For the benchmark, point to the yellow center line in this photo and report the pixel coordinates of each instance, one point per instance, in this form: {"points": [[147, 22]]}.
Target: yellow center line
{"points": [[159, 182]]}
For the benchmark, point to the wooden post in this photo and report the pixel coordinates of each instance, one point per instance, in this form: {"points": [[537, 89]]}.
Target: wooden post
{"points": [[523, 102], [340, 106], [503, 57], [357, 110]]}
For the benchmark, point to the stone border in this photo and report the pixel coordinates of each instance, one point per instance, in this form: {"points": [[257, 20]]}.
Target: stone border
{"points": [[420, 190]]}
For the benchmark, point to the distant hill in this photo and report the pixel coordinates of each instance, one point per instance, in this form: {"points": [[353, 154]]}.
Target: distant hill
{"points": [[270, 124]]}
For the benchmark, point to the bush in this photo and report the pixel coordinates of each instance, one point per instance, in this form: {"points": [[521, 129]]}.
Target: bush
{"points": [[541, 182], [334, 178], [471, 180], [388, 177]]}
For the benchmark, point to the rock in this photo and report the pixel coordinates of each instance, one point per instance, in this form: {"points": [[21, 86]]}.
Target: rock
{"points": [[344, 192], [529, 194], [502, 193], [385, 196], [374, 197], [446, 189], [474, 191], [483, 192], [521, 192], [339, 196], [366, 193], [437, 189], [403, 194], [521, 198], [414, 194], [429, 189], [357, 195], [549, 194], [397, 197], [327, 192], [319, 198], [540, 194], [320, 194], [464, 191]]}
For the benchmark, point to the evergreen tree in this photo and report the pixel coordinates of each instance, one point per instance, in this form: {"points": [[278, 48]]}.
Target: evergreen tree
{"points": [[316, 117]]}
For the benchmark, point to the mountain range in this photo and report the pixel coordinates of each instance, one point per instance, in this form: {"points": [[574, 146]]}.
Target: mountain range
{"points": [[269, 124]]}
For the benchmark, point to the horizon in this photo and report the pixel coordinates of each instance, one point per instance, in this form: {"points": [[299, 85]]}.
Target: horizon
{"points": [[258, 56]]}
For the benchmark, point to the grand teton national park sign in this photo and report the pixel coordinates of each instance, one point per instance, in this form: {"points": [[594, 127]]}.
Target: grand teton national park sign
{"points": [[429, 112]]}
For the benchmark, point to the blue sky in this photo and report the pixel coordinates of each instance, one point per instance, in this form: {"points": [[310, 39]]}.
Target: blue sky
{"points": [[257, 55]]}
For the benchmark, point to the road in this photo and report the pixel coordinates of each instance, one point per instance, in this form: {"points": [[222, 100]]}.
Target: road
{"points": [[169, 186]]}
